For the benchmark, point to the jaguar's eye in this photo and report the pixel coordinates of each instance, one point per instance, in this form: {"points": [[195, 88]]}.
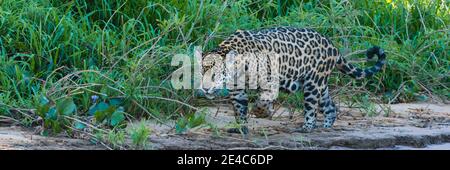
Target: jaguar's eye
{"points": [[206, 68]]}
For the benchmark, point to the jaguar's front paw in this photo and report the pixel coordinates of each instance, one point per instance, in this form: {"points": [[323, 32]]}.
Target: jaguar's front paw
{"points": [[259, 113], [328, 122]]}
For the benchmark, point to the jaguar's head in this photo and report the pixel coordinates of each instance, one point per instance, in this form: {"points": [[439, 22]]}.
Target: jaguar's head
{"points": [[214, 73]]}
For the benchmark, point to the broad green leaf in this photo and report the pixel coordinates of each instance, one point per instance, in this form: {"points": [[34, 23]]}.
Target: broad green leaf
{"points": [[180, 126], [120, 109], [51, 114], [115, 102], [102, 106], [42, 110], [66, 106], [117, 117], [79, 125], [104, 111], [100, 115], [43, 106]]}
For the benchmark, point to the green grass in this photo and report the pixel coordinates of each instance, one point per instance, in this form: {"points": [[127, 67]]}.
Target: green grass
{"points": [[121, 50]]}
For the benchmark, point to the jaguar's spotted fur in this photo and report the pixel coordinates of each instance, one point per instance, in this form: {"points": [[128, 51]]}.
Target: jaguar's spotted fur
{"points": [[306, 59]]}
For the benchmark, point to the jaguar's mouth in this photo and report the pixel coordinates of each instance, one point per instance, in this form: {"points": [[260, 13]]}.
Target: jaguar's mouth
{"points": [[209, 94]]}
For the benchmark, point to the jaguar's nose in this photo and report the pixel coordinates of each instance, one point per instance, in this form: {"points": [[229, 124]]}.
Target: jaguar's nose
{"points": [[208, 93], [213, 91]]}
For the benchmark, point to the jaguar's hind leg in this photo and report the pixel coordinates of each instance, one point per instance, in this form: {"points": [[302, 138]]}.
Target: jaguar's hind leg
{"points": [[328, 108], [311, 99], [263, 109]]}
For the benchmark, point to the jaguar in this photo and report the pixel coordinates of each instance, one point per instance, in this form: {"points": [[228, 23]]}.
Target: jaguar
{"points": [[303, 60]]}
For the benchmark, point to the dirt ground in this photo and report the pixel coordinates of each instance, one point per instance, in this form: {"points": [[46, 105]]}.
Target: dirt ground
{"points": [[399, 126], [18, 138]]}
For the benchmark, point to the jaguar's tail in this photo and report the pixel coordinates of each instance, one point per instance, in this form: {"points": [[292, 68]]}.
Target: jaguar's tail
{"points": [[358, 73]]}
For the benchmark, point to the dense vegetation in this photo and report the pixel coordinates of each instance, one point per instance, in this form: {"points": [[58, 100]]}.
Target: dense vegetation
{"points": [[65, 63]]}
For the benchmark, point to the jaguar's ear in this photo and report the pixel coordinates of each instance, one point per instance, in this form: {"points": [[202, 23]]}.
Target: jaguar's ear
{"points": [[209, 59]]}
